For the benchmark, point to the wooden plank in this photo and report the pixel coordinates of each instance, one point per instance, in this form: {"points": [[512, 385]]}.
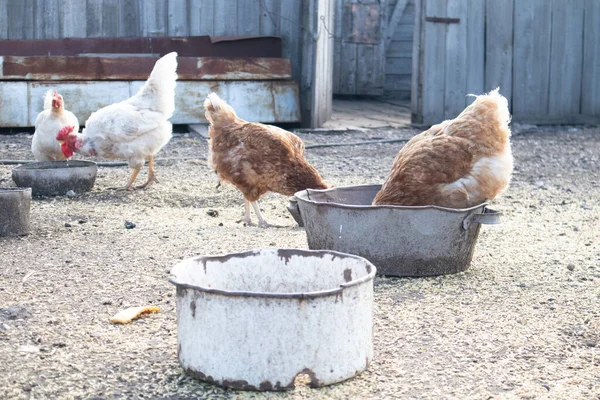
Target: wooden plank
{"points": [[337, 51], [499, 47], [264, 101], [15, 111], [531, 58], [20, 19], [404, 32], [291, 32], [368, 68], [398, 82], [225, 18], [394, 21], [248, 17], [416, 84], [456, 59], [153, 18], [196, 46], [400, 49], [73, 22], [94, 17], [324, 63], [47, 22], [434, 63], [177, 19], [398, 66], [308, 84], [202, 17], [566, 57], [129, 22], [348, 68], [110, 19], [3, 19], [102, 18], [139, 67], [590, 96], [475, 49], [269, 17]]}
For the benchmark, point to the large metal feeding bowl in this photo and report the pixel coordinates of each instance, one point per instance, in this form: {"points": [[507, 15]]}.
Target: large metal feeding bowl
{"points": [[56, 178], [259, 319], [399, 240]]}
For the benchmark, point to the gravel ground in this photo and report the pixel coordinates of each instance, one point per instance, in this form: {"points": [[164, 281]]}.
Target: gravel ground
{"points": [[522, 322]]}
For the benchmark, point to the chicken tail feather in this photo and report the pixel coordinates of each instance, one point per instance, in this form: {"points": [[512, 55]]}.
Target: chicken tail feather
{"points": [[159, 89], [217, 111]]}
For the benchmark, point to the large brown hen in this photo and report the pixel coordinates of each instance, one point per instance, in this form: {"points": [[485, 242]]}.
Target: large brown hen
{"points": [[458, 163]]}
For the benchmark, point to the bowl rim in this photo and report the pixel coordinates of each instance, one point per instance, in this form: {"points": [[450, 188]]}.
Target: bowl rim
{"points": [[32, 166], [371, 271], [302, 194], [15, 189]]}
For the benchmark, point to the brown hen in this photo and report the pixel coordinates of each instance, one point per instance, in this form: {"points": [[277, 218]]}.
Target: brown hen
{"points": [[256, 158], [458, 163]]}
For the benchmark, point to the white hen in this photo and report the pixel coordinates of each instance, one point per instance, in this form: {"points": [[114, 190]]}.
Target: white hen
{"points": [[134, 129], [48, 122]]}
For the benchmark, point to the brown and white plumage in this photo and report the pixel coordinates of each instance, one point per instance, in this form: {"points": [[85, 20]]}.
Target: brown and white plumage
{"points": [[458, 163], [256, 158], [53, 118]]}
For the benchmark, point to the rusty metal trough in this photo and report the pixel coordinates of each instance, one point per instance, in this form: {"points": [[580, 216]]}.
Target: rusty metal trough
{"points": [[93, 72]]}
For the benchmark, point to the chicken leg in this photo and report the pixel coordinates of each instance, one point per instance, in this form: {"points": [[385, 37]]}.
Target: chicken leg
{"points": [[134, 175], [246, 220], [261, 221], [151, 174]]}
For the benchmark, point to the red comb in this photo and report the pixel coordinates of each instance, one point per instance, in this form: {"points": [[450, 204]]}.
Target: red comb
{"points": [[55, 93], [64, 132]]}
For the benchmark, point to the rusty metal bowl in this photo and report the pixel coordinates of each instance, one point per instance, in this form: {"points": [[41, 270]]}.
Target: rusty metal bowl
{"points": [[398, 240], [258, 319], [56, 178]]}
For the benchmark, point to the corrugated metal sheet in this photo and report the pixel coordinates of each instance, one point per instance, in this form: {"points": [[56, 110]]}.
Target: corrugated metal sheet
{"points": [[266, 101]]}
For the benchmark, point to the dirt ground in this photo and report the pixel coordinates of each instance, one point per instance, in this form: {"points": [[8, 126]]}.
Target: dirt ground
{"points": [[523, 322]]}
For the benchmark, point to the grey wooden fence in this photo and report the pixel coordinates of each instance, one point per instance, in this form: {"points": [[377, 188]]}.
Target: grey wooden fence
{"points": [[543, 54], [49, 19], [303, 25]]}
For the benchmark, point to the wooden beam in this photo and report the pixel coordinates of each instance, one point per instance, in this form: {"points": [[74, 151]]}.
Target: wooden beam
{"points": [[264, 101], [394, 20], [132, 67]]}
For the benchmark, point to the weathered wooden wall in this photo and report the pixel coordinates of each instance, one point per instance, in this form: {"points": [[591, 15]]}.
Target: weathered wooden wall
{"points": [[317, 61], [398, 57], [543, 54], [48, 19]]}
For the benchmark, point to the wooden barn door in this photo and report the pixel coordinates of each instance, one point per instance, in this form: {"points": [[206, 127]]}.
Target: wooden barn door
{"points": [[359, 62], [544, 55], [448, 58]]}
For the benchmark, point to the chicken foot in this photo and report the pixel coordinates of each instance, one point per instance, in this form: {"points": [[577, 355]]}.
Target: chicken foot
{"points": [[261, 220], [134, 175], [151, 174], [246, 219]]}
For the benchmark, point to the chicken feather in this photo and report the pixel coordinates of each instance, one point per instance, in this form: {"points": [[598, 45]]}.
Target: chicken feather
{"points": [[53, 118], [458, 163], [136, 128]]}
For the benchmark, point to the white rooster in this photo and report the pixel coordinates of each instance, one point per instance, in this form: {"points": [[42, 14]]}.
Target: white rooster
{"points": [[134, 129], [48, 122]]}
